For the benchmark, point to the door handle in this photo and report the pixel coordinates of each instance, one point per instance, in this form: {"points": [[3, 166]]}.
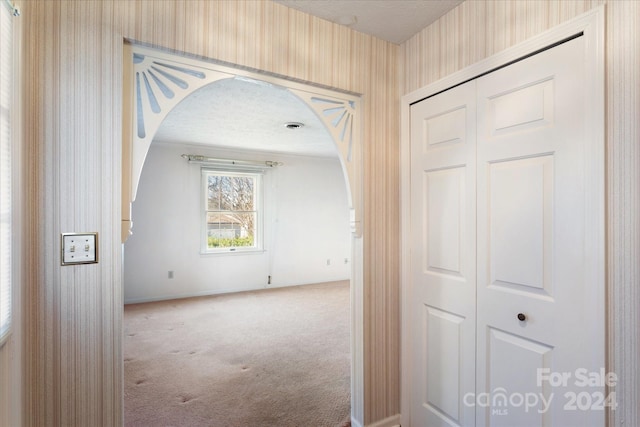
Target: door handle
{"points": [[522, 317]]}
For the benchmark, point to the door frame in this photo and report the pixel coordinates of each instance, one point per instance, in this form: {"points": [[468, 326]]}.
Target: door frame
{"points": [[591, 25], [339, 111]]}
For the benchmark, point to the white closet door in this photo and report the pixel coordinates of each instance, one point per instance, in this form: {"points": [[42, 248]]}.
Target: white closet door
{"points": [[506, 328], [531, 257], [443, 173]]}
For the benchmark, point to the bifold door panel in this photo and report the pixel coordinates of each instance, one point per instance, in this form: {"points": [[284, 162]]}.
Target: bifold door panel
{"points": [[443, 309], [531, 227], [498, 202]]}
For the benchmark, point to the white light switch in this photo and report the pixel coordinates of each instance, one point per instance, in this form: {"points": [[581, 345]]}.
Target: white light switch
{"points": [[79, 248]]}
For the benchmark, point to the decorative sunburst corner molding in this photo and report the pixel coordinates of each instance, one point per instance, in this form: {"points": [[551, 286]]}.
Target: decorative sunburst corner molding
{"points": [[338, 115], [157, 84]]}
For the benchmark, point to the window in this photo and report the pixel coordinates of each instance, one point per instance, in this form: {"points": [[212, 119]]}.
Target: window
{"points": [[6, 76], [232, 219]]}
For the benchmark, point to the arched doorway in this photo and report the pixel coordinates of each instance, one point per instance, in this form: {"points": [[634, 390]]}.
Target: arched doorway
{"points": [[156, 82]]}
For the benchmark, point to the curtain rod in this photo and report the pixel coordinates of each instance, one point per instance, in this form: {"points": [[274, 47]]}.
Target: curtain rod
{"points": [[15, 11], [195, 158]]}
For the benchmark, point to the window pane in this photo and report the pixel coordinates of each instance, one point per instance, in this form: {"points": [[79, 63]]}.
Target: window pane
{"points": [[213, 192], [246, 222], [231, 193], [213, 220], [220, 231], [226, 230], [226, 193], [243, 193]]}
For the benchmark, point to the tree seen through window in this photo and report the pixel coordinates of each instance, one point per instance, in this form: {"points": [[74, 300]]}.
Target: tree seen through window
{"points": [[231, 213]]}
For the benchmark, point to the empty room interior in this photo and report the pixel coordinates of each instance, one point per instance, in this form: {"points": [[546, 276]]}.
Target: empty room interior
{"points": [[323, 213], [263, 210]]}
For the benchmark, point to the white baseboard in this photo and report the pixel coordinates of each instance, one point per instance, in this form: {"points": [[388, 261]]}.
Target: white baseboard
{"points": [[221, 291], [190, 295], [393, 421]]}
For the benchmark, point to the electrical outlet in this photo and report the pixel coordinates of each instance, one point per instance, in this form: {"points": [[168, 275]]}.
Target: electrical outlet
{"points": [[328, 262], [170, 274], [79, 248]]}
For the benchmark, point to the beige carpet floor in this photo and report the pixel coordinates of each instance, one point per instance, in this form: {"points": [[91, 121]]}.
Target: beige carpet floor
{"points": [[277, 357]]}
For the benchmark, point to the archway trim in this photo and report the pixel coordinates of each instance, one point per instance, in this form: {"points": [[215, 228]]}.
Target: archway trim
{"points": [[156, 81]]}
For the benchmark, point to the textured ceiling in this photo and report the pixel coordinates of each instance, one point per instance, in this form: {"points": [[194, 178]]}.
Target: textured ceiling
{"points": [[393, 20], [250, 115]]}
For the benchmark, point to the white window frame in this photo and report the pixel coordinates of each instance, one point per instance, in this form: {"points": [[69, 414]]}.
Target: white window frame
{"points": [[258, 231], [7, 105]]}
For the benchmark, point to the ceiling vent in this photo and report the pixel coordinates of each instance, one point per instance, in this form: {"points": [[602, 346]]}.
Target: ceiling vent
{"points": [[294, 125]]}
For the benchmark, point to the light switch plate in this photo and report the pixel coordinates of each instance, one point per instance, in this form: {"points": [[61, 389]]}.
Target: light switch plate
{"points": [[79, 248]]}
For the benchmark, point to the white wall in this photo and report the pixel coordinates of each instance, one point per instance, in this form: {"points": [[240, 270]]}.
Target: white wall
{"points": [[306, 223]]}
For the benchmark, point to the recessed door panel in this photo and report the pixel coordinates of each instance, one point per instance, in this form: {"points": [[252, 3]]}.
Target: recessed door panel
{"points": [[520, 216], [444, 362], [444, 129], [522, 108], [512, 383], [444, 221]]}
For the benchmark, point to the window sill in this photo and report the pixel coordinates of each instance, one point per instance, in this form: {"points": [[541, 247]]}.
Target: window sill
{"points": [[237, 251]]}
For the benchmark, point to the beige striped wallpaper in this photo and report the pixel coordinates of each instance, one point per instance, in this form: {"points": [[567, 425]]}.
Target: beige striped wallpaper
{"points": [[478, 29], [72, 133], [10, 378], [72, 136]]}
